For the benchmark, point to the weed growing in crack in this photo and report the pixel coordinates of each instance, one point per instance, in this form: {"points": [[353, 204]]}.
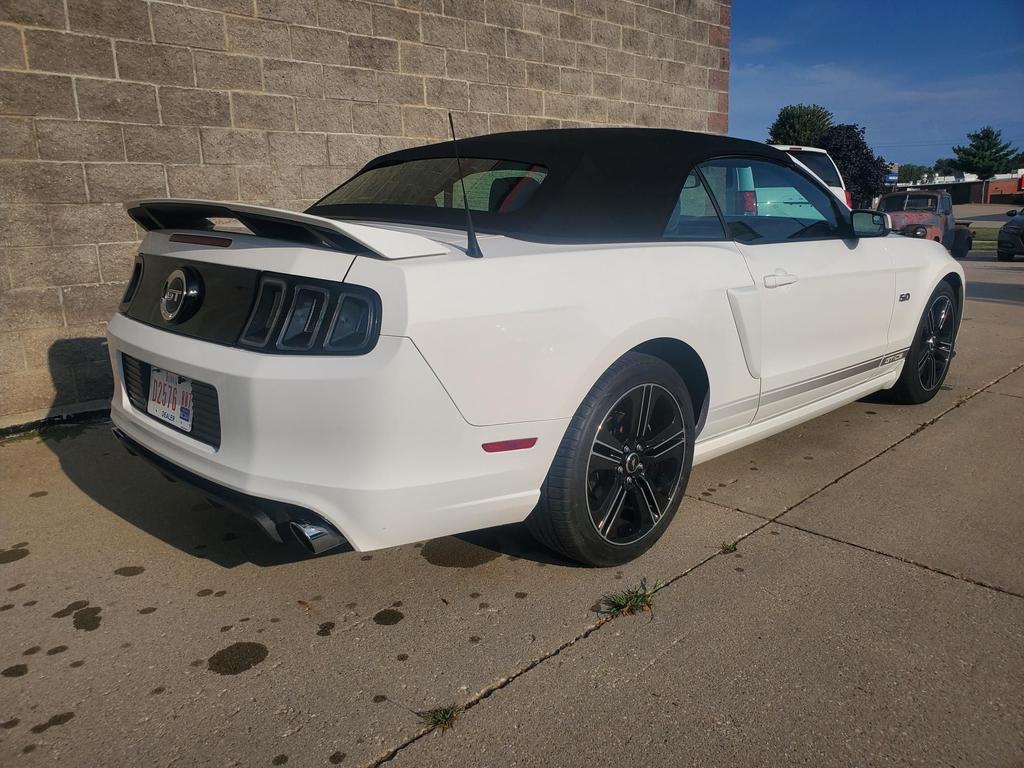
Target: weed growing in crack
{"points": [[728, 547], [639, 599], [441, 718]]}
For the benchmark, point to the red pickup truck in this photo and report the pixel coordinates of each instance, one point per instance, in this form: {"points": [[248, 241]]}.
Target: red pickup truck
{"points": [[928, 214]]}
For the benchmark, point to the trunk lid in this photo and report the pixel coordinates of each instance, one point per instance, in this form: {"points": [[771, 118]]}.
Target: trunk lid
{"points": [[206, 269]]}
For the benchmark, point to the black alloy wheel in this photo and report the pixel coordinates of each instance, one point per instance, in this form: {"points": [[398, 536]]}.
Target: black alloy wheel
{"points": [[936, 345], [931, 351], [636, 463], [622, 466]]}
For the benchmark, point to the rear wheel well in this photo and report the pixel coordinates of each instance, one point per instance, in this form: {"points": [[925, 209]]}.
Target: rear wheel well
{"points": [[687, 363], [957, 285]]}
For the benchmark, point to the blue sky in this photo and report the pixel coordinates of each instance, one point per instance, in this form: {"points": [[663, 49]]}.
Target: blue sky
{"points": [[918, 75]]}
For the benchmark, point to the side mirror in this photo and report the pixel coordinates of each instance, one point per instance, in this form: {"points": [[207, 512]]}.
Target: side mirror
{"points": [[1012, 213], [870, 223]]}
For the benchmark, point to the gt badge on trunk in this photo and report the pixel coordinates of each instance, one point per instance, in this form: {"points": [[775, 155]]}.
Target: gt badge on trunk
{"points": [[181, 295]]}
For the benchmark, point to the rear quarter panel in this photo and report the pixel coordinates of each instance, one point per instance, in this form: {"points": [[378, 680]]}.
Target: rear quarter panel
{"points": [[518, 337]]}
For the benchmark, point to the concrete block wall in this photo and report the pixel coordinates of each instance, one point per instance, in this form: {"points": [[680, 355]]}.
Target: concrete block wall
{"points": [[277, 102]]}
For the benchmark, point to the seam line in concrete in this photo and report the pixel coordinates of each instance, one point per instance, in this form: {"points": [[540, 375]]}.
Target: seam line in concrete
{"points": [[504, 682], [916, 431], [776, 519], [392, 753], [907, 560]]}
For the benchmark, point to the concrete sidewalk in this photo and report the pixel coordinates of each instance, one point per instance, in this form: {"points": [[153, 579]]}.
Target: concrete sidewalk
{"points": [[872, 613]]}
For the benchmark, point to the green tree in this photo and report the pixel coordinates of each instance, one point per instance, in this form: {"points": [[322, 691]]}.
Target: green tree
{"points": [[945, 166], [910, 173], [986, 154], [863, 171], [801, 124]]}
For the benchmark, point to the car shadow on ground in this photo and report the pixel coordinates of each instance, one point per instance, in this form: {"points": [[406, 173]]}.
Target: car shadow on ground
{"points": [[183, 517]]}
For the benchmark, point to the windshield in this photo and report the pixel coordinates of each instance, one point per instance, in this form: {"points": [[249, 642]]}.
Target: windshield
{"points": [[909, 203], [822, 166], [494, 186]]}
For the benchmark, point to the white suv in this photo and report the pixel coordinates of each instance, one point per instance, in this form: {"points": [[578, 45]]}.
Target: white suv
{"points": [[821, 164]]}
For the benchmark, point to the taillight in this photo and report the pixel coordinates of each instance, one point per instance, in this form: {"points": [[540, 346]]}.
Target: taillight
{"points": [[133, 284], [351, 325], [294, 315], [265, 313], [302, 323], [849, 199], [746, 202]]}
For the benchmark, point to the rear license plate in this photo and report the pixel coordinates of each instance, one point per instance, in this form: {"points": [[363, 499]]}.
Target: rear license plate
{"points": [[170, 398]]}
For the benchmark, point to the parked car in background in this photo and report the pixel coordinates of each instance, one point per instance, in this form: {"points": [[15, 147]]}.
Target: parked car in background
{"points": [[928, 214], [1011, 237], [638, 301], [820, 163]]}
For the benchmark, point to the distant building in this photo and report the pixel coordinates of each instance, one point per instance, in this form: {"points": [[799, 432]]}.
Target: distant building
{"points": [[967, 188]]}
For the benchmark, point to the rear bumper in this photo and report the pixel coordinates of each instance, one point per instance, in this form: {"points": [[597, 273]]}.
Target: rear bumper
{"points": [[373, 444], [272, 516]]}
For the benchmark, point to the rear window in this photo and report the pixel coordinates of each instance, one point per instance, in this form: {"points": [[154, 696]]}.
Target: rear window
{"points": [[822, 166], [494, 186]]}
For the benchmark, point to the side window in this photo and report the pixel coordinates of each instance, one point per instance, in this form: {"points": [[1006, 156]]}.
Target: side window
{"points": [[694, 217], [764, 202]]}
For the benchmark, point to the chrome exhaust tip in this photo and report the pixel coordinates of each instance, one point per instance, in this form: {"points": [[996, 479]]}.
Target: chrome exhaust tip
{"points": [[316, 538]]}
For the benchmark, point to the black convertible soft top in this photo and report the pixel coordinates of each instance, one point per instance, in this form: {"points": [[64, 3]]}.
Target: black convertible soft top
{"points": [[603, 184]]}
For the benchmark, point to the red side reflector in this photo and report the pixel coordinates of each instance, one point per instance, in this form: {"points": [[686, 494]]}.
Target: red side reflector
{"points": [[217, 242], [510, 445], [849, 199]]}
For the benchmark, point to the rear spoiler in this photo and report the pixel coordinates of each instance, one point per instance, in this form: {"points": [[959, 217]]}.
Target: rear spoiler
{"points": [[289, 226]]}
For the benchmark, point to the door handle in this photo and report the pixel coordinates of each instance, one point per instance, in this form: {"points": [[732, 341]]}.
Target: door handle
{"points": [[779, 278]]}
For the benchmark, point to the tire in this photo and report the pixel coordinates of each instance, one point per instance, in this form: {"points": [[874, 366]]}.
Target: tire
{"points": [[600, 505], [1004, 255], [962, 242], [927, 363]]}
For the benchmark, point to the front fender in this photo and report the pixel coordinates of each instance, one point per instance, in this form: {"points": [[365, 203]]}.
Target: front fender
{"points": [[920, 267]]}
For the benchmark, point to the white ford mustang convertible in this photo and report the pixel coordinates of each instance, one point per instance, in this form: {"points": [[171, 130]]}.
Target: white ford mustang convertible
{"points": [[636, 301]]}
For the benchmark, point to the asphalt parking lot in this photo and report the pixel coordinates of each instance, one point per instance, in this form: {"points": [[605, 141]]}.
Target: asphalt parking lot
{"points": [[872, 612]]}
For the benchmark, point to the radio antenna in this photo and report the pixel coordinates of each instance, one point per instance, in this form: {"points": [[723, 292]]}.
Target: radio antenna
{"points": [[472, 246]]}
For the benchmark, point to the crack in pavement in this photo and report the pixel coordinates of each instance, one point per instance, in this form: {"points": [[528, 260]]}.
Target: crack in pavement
{"points": [[506, 681], [503, 682]]}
